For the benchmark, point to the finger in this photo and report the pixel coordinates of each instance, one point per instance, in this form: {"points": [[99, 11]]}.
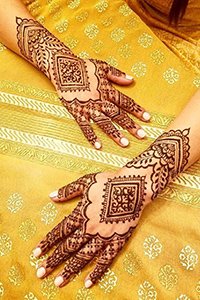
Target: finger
{"points": [[71, 190], [128, 105], [79, 261], [106, 125], [63, 251], [90, 134], [85, 126], [118, 77], [104, 261], [121, 118], [62, 230]]}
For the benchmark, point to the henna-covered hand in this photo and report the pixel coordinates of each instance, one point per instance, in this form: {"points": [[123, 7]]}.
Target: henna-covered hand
{"points": [[83, 86], [109, 209]]}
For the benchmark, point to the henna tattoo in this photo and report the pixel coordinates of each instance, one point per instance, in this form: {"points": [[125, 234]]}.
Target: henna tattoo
{"points": [[70, 73], [123, 199], [168, 156], [111, 206], [75, 187], [82, 85]]}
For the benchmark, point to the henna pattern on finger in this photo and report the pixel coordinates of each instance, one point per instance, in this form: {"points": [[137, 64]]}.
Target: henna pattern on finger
{"points": [[76, 187]]}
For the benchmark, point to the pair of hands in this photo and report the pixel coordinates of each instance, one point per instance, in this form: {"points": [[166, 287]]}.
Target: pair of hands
{"points": [[110, 204]]}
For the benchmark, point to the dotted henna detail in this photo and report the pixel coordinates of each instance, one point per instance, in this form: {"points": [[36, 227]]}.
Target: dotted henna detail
{"points": [[123, 199], [70, 73]]}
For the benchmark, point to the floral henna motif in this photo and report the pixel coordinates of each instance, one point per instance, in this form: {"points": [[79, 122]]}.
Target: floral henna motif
{"points": [[168, 156]]}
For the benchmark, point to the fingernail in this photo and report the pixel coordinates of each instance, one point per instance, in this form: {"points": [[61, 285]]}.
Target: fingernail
{"points": [[88, 283], [97, 145], [129, 77], [37, 251], [40, 272], [124, 141], [146, 116], [58, 281], [141, 133], [53, 194]]}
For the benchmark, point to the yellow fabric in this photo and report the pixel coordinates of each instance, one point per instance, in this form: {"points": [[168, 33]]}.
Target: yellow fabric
{"points": [[42, 148], [183, 40]]}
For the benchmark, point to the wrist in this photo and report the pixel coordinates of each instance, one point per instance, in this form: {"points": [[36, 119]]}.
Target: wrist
{"points": [[38, 45], [165, 158]]}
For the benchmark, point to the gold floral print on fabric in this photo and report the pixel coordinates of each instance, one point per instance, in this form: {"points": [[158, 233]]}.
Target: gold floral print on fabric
{"points": [[1, 289], [5, 244], [30, 296], [132, 264], [15, 275], [152, 247], [48, 289], [108, 281], [27, 230], [15, 203], [48, 213], [168, 277], [188, 258], [84, 294], [147, 291]]}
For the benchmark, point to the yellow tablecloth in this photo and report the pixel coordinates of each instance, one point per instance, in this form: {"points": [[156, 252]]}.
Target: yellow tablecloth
{"points": [[42, 148]]}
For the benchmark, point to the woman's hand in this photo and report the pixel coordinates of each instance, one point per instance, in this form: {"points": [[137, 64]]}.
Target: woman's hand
{"points": [[84, 86], [100, 225], [110, 207]]}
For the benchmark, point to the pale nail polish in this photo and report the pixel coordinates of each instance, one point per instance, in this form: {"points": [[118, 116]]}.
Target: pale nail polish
{"points": [[88, 283], [40, 272], [141, 133], [37, 251], [146, 116], [124, 141], [97, 145], [53, 194], [129, 77], [58, 281]]}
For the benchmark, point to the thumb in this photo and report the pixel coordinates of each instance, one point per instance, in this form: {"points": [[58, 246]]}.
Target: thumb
{"points": [[119, 77]]}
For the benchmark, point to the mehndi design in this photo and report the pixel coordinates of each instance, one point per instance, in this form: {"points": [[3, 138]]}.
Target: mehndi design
{"points": [[83, 86], [110, 208], [168, 155]]}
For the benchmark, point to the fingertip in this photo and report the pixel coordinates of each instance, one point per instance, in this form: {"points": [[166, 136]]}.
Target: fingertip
{"points": [[141, 133], [58, 281], [37, 252], [40, 272], [88, 283], [124, 142], [129, 77], [53, 195], [146, 116], [98, 145]]}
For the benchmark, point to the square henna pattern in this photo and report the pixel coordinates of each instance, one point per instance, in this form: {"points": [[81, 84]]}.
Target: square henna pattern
{"points": [[123, 199], [70, 73]]}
